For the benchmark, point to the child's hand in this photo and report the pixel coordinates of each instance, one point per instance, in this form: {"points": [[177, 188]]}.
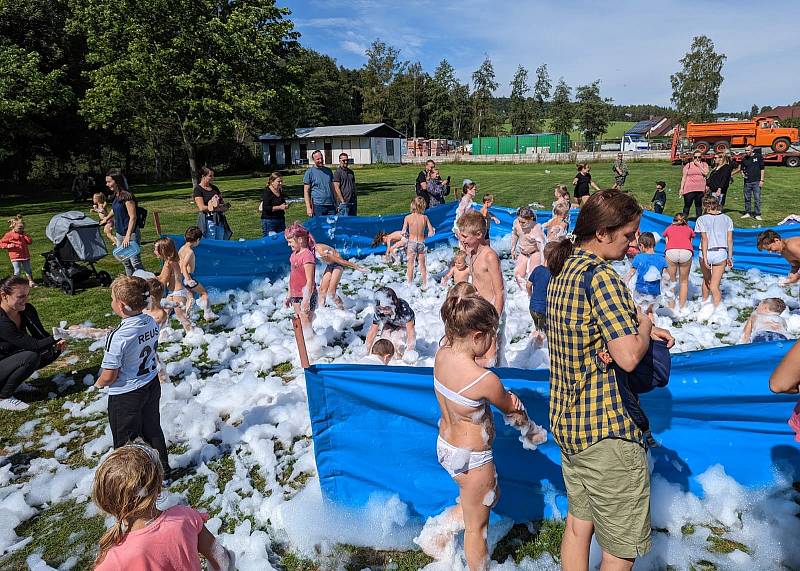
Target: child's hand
{"points": [[305, 306]]}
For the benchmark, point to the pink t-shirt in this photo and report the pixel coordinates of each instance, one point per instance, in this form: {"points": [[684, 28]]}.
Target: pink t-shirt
{"points": [[679, 237], [170, 542], [297, 274], [694, 177]]}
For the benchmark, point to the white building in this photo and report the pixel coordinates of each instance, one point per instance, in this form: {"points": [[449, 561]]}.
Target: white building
{"points": [[364, 144]]}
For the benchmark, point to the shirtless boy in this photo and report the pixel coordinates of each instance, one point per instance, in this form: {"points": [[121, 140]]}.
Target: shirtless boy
{"points": [[789, 248], [414, 227], [193, 235], [486, 274]]}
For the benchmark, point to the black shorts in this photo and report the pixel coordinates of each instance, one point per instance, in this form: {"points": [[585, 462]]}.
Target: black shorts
{"points": [[582, 191]]}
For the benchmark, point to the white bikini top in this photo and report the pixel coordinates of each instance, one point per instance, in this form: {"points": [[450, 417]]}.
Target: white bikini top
{"points": [[457, 397]]}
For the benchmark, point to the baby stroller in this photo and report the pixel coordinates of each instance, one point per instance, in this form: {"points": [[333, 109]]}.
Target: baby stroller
{"points": [[77, 238]]}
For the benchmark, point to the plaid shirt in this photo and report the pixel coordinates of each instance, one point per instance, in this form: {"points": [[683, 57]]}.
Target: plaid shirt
{"points": [[585, 404]]}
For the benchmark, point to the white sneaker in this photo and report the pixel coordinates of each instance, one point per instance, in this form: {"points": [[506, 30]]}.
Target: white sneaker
{"points": [[759, 218], [13, 404], [746, 215]]}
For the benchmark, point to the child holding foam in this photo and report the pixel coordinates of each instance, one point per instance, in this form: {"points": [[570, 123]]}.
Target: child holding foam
{"points": [[529, 236], [465, 392], [459, 271], [414, 228], [557, 226], [186, 257], [302, 294], [765, 323], [127, 486], [649, 268]]}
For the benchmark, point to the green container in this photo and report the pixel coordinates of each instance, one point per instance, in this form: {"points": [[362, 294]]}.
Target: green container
{"points": [[484, 145], [508, 145], [519, 144]]}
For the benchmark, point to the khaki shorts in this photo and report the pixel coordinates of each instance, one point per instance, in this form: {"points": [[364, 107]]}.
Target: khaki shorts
{"points": [[609, 485]]}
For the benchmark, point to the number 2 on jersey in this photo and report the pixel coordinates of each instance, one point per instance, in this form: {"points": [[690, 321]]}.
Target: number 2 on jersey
{"points": [[147, 351]]}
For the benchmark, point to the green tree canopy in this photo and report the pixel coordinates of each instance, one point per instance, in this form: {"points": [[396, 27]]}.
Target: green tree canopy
{"points": [[520, 114], [383, 65], [562, 115], [695, 87], [484, 85], [593, 112]]}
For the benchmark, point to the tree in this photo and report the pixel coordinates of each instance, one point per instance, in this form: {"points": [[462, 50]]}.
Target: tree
{"points": [[407, 98], [561, 110], [439, 106], [695, 88], [382, 66], [200, 67], [593, 112], [753, 110], [326, 93], [541, 93], [484, 86], [461, 110], [520, 111]]}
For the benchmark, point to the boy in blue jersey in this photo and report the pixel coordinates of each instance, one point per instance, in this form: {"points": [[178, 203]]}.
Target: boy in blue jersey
{"points": [[130, 370], [649, 268]]}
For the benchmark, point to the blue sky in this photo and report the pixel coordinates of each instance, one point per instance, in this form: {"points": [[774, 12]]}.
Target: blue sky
{"points": [[632, 47]]}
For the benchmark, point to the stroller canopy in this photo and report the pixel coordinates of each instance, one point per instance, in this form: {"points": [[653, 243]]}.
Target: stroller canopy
{"points": [[82, 232]]}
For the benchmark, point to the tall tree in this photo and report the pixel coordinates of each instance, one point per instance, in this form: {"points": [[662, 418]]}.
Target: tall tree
{"points": [[562, 114], [753, 110], [483, 88], [520, 108], [407, 98], [439, 105], [593, 112], [462, 111], [541, 94], [207, 68], [326, 94], [695, 88], [383, 64]]}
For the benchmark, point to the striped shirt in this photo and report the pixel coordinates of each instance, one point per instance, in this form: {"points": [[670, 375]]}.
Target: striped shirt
{"points": [[132, 349], [585, 404]]}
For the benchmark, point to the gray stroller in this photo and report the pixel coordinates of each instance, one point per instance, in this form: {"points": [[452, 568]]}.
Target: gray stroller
{"points": [[77, 238]]}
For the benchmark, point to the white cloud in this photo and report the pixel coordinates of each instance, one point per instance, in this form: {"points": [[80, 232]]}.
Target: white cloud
{"points": [[353, 47]]}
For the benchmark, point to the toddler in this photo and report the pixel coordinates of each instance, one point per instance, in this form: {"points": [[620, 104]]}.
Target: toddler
{"points": [[172, 280], [100, 207], [557, 226], [16, 241], [659, 200], [649, 268], [488, 200], [537, 291], [765, 323], [186, 258], [459, 271], [127, 486], [302, 294], [529, 236], [382, 352], [414, 227], [394, 242]]}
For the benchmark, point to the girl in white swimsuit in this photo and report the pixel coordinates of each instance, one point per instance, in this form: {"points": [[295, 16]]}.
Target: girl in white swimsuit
{"points": [[464, 392]]}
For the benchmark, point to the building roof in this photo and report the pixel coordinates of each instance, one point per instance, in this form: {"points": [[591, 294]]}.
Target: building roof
{"points": [[783, 112], [643, 127], [364, 130]]}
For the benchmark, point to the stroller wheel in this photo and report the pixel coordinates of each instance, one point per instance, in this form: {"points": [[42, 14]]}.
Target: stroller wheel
{"points": [[104, 278], [68, 288]]}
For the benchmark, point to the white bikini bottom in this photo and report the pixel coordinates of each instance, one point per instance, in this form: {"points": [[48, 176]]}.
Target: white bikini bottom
{"points": [[460, 460]]}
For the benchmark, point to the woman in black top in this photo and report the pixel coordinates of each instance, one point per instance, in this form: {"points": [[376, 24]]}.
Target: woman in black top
{"points": [[24, 344], [582, 182], [126, 228], [273, 206], [720, 177], [211, 217]]}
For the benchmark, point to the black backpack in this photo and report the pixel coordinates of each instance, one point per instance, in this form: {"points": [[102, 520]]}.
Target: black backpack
{"points": [[141, 216]]}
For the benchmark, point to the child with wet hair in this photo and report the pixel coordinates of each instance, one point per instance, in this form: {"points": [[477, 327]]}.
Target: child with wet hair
{"points": [[172, 280], [302, 294], [414, 227], [528, 236], [187, 260], [789, 248], [465, 392], [765, 323], [459, 271], [127, 486], [649, 269], [393, 315], [558, 225], [130, 369]]}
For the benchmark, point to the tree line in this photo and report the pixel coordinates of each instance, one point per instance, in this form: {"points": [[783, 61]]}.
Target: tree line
{"points": [[160, 87]]}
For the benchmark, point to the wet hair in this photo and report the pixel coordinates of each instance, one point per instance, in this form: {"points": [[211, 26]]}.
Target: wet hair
{"points": [[126, 486], [460, 254], [15, 220], [647, 240], [679, 219], [561, 210], [378, 239], [418, 205], [661, 183], [383, 348], [766, 238], [471, 222], [132, 291], [100, 198], [465, 312], [165, 249], [526, 213], [775, 304], [204, 172], [8, 285], [193, 234], [710, 204], [488, 197], [299, 232], [156, 289], [386, 294], [607, 210]]}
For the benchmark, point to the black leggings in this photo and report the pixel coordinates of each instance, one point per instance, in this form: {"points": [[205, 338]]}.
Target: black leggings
{"points": [[697, 198], [17, 367]]}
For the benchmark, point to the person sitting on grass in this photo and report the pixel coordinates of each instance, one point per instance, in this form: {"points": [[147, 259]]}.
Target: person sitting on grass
{"points": [[186, 257], [25, 347], [459, 271], [537, 291], [765, 323], [789, 248], [382, 352], [649, 269], [332, 273]]}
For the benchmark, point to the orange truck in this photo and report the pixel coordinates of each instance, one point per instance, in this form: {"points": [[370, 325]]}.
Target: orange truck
{"points": [[760, 132]]}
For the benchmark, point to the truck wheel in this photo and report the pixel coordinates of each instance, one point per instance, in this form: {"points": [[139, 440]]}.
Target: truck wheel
{"points": [[702, 146], [780, 145], [722, 146], [793, 162]]}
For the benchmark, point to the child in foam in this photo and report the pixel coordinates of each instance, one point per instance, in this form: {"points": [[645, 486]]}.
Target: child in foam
{"points": [[557, 226], [414, 228], [488, 217], [529, 236], [649, 268], [382, 352], [459, 271], [186, 257], [789, 248], [332, 274], [127, 486], [465, 392], [468, 190], [392, 316], [537, 292], [302, 294], [679, 254], [172, 279], [562, 197], [765, 323], [716, 247]]}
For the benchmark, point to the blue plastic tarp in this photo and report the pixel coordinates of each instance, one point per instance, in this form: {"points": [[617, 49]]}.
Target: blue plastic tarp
{"points": [[236, 264], [375, 431]]}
